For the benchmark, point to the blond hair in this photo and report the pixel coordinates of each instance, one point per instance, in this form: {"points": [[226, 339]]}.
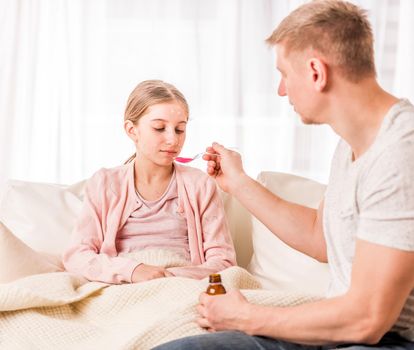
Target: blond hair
{"points": [[338, 30], [149, 93]]}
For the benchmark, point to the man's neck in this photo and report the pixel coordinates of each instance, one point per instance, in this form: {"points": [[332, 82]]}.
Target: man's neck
{"points": [[358, 111]]}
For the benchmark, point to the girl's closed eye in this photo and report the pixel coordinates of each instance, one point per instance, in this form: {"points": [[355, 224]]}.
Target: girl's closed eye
{"points": [[178, 131]]}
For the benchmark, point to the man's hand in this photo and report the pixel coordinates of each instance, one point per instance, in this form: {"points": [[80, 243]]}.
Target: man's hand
{"points": [[225, 166], [145, 272], [230, 311]]}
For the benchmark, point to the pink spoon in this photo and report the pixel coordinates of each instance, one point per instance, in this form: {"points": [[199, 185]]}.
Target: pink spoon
{"points": [[188, 160], [198, 155]]}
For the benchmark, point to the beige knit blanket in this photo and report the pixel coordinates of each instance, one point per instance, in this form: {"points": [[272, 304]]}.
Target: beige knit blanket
{"points": [[62, 311]]}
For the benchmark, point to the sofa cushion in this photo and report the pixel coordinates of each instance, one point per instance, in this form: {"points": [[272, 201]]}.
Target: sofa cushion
{"points": [[17, 260], [275, 264], [41, 215], [240, 225]]}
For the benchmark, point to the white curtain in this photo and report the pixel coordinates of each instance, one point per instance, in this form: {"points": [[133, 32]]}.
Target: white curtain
{"points": [[404, 67], [67, 67]]}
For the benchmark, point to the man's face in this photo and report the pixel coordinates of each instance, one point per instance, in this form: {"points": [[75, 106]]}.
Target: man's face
{"points": [[296, 83]]}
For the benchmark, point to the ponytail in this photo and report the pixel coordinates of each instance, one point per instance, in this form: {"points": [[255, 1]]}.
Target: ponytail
{"points": [[130, 159]]}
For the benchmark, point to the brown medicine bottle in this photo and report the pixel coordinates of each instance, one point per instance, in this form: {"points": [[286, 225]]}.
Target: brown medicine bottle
{"points": [[215, 287]]}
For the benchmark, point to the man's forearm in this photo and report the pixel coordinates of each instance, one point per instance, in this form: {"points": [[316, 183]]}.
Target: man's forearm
{"points": [[294, 224], [381, 281], [330, 321]]}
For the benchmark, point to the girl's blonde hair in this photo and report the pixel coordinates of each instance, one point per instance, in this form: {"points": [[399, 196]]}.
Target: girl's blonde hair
{"points": [[337, 29], [147, 94]]}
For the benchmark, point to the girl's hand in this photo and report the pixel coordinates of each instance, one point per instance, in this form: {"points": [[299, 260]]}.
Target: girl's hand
{"points": [[145, 272]]}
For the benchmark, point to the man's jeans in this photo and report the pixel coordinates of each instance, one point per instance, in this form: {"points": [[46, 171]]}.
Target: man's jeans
{"points": [[236, 340]]}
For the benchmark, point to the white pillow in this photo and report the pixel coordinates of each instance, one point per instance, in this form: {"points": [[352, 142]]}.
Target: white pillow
{"points": [[17, 260], [275, 264], [41, 215], [240, 225]]}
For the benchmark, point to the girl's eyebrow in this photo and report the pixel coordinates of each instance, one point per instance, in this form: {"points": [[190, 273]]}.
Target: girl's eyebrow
{"points": [[164, 120]]}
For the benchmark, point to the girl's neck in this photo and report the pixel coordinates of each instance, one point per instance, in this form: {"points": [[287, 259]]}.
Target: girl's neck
{"points": [[148, 173]]}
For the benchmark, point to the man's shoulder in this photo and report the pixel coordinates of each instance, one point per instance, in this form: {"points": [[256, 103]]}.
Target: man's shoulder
{"points": [[399, 121], [403, 105], [397, 137]]}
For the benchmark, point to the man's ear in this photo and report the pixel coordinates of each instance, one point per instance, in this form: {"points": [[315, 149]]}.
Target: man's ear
{"points": [[319, 71], [131, 130]]}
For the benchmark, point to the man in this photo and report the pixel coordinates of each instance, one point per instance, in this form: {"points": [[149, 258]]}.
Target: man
{"points": [[364, 227]]}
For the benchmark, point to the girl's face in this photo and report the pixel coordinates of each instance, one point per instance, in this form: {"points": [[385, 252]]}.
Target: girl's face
{"points": [[160, 133]]}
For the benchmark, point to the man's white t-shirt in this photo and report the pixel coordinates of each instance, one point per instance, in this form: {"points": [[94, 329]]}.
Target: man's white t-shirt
{"points": [[372, 199]]}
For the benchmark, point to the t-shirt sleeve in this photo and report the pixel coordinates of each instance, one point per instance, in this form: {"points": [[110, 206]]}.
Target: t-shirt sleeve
{"points": [[386, 199]]}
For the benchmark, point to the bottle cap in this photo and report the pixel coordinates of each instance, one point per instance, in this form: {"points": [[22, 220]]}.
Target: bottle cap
{"points": [[215, 278]]}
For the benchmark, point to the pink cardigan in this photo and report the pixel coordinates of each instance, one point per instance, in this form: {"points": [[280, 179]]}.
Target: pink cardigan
{"points": [[109, 200]]}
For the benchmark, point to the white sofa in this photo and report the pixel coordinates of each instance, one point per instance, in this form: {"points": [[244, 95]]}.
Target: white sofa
{"points": [[37, 220]]}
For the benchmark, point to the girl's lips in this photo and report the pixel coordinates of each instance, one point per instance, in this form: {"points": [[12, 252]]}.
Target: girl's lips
{"points": [[171, 153]]}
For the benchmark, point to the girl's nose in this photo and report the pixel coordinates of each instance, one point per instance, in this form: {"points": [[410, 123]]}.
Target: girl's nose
{"points": [[171, 137]]}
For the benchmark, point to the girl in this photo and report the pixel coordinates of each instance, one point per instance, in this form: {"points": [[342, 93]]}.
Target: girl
{"points": [[151, 217]]}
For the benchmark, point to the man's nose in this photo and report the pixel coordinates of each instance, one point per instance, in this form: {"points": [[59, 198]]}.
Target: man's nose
{"points": [[281, 91]]}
